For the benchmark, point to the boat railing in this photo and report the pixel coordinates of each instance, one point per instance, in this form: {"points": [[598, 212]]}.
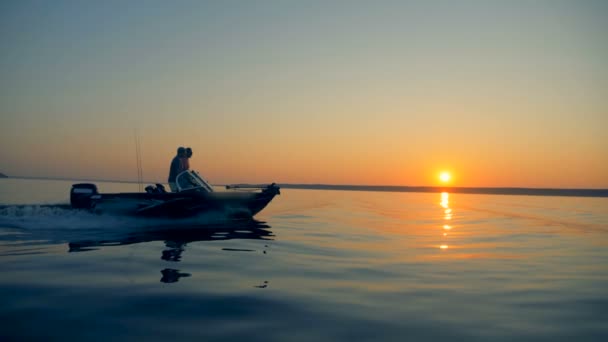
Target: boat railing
{"points": [[265, 188]]}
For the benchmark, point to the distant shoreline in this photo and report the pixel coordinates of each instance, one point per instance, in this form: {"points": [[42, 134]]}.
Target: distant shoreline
{"points": [[456, 190], [397, 188]]}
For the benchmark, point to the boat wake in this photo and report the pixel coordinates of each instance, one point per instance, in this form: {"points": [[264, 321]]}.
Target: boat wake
{"points": [[62, 216], [58, 224]]}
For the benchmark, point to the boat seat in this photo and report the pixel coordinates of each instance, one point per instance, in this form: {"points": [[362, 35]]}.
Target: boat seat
{"points": [[158, 189]]}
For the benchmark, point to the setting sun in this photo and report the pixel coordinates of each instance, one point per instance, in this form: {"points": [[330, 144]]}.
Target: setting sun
{"points": [[445, 177]]}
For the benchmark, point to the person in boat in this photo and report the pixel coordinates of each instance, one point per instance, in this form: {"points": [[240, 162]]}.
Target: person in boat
{"points": [[186, 159], [176, 167]]}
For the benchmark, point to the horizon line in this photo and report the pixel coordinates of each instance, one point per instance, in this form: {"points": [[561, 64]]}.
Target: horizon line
{"points": [[506, 190]]}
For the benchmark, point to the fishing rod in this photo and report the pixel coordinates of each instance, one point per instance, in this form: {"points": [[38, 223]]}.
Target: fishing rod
{"points": [[140, 173]]}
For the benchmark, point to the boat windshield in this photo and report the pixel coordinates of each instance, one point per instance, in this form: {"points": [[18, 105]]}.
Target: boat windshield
{"points": [[189, 180]]}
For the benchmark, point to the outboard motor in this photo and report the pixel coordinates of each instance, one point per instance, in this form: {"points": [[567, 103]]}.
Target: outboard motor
{"points": [[84, 196]]}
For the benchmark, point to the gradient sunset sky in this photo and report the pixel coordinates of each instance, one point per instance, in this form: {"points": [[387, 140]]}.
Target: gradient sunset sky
{"points": [[499, 93]]}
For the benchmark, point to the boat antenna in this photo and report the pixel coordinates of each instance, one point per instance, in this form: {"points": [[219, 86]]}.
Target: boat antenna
{"points": [[140, 173]]}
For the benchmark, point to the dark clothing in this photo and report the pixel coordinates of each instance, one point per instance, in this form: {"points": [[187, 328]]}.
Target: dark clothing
{"points": [[176, 169], [185, 163]]}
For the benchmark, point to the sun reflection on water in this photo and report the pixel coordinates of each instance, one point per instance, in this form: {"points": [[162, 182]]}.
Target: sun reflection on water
{"points": [[445, 204], [445, 200]]}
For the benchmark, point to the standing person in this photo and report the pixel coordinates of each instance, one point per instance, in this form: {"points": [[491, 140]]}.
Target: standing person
{"points": [[176, 168]]}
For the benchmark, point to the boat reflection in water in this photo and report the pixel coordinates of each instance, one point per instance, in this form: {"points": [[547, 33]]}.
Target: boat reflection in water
{"points": [[177, 239]]}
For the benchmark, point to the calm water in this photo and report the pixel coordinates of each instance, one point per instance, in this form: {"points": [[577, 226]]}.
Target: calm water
{"points": [[317, 265]]}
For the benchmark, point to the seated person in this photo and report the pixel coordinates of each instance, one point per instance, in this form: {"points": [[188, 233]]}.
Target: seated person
{"points": [[176, 168]]}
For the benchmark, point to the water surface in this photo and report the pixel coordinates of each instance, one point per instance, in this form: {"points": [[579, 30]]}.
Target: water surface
{"points": [[314, 265]]}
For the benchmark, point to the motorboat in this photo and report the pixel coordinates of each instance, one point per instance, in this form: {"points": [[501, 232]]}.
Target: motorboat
{"points": [[194, 196]]}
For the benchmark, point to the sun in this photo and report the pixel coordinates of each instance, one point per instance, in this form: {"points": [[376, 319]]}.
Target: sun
{"points": [[445, 177]]}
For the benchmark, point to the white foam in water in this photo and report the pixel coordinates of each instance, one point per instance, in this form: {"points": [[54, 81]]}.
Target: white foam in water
{"points": [[59, 224], [35, 217]]}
